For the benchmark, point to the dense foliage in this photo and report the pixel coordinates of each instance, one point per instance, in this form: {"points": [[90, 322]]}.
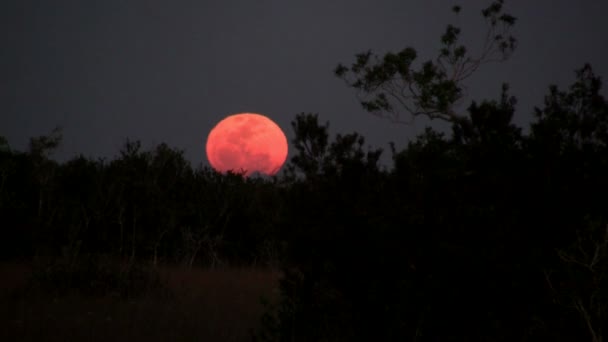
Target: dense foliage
{"points": [[482, 234], [141, 205], [488, 234]]}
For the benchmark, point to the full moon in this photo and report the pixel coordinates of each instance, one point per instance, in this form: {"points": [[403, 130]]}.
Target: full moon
{"points": [[247, 143]]}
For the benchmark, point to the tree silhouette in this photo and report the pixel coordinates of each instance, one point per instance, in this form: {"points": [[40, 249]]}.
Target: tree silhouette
{"points": [[570, 147], [311, 143], [40, 149], [471, 220], [392, 85], [484, 233]]}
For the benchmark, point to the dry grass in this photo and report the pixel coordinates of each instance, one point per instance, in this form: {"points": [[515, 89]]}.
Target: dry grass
{"points": [[206, 305]]}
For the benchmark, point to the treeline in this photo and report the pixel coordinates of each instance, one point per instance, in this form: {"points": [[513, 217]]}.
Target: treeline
{"points": [[142, 205], [486, 233]]}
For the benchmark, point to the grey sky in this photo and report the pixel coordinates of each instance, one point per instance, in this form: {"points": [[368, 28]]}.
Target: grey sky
{"points": [[167, 71]]}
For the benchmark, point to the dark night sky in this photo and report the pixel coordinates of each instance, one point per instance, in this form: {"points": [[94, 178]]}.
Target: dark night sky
{"points": [[167, 71]]}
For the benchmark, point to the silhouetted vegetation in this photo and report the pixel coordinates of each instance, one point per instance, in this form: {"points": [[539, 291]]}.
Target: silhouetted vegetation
{"points": [[485, 233]]}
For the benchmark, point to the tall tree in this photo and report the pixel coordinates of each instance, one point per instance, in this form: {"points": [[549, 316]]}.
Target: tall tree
{"points": [[40, 149], [569, 150]]}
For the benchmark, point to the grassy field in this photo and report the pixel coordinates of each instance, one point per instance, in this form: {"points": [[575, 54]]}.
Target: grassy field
{"points": [[202, 305]]}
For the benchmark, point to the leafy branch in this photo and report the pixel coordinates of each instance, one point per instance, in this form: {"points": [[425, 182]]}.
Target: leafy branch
{"points": [[388, 85]]}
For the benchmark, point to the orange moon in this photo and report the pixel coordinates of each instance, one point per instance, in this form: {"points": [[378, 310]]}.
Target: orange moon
{"points": [[247, 143]]}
